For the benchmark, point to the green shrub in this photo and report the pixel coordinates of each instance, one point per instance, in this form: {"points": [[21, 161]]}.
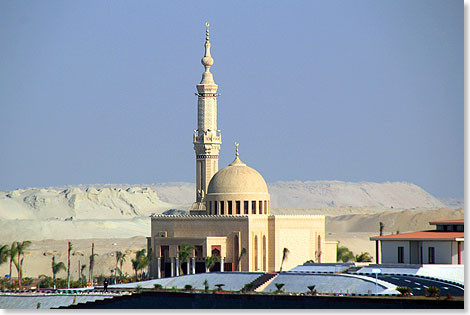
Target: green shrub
{"points": [[432, 292], [249, 287], [279, 287], [188, 287], [157, 286], [404, 291]]}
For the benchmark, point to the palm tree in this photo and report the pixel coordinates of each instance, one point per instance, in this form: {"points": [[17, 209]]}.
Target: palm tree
{"points": [[184, 252], [311, 288], [242, 253], [285, 253], [3, 254], [121, 262], [82, 275], [140, 261], [20, 247], [12, 254], [211, 261], [120, 259], [279, 287], [363, 257], [135, 266], [92, 262], [68, 264], [344, 254], [381, 228], [56, 268]]}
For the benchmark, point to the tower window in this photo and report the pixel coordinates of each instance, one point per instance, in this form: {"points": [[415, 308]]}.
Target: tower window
{"points": [[260, 207], [222, 210], [265, 206], [238, 206], [215, 207], [229, 207], [253, 207], [245, 206]]}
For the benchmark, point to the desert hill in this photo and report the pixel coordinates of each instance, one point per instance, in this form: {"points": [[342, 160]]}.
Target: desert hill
{"points": [[116, 216], [402, 221]]}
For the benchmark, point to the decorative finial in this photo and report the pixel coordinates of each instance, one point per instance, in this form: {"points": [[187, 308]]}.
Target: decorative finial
{"points": [[207, 60], [207, 31], [236, 149]]}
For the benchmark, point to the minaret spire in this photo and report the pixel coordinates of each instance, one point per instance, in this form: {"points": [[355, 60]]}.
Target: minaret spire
{"points": [[207, 61], [206, 138]]}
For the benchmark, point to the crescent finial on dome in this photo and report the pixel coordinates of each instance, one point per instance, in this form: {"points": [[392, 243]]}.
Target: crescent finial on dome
{"points": [[236, 148]]}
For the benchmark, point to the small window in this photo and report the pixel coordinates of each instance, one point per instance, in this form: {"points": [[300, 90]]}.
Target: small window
{"points": [[401, 254], [230, 207], [222, 211], [431, 255], [253, 207], [245, 206], [260, 207], [265, 206], [215, 207], [238, 206]]}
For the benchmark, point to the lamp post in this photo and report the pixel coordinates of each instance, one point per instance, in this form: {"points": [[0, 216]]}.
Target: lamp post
{"points": [[376, 271]]}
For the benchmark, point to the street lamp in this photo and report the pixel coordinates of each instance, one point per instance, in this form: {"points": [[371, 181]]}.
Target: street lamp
{"points": [[376, 271]]}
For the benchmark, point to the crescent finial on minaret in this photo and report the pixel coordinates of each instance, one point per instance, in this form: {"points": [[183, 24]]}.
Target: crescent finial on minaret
{"points": [[207, 31], [207, 60], [236, 148]]}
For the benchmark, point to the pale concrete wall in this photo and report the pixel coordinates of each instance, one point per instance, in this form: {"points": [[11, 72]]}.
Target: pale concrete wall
{"points": [[389, 251], [330, 252], [442, 249], [298, 234]]}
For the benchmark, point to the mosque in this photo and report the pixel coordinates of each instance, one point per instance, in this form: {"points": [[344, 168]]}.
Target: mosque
{"points": [[231, 216]]}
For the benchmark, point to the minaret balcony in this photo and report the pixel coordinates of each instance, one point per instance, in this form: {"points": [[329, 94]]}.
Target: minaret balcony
{"points": [[207, 138]]}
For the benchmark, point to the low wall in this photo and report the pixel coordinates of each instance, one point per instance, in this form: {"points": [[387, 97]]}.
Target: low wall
{"points": [[180, 300]]}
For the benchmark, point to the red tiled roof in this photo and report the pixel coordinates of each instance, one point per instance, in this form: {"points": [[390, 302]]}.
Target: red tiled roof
{"points": [[447, 221], [424, 235]]}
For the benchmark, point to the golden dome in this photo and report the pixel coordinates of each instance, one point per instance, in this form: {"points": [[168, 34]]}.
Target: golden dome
{"points": [[237, 178]]}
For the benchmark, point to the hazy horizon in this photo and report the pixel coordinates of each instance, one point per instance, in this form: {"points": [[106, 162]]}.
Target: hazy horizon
{"points": [[363, 91]]}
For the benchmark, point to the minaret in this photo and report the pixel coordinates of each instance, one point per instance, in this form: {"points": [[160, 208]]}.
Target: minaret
{"points": [[206, 138]]}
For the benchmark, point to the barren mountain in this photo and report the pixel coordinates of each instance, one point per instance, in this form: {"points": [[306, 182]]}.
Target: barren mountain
{"points": [[320, 194]]}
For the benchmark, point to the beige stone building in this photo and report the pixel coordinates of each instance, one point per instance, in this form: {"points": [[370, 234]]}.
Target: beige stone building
{"points": [[231, 217]]}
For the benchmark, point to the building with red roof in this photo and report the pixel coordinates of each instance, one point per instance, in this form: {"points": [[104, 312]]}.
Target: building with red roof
{"points": [[443, 245]]}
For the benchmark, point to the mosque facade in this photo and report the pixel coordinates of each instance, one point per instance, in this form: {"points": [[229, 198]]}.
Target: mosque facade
{"points": [[231, 217]]}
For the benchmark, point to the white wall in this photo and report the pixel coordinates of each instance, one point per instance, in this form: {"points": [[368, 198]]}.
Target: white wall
{"points": [[442, 250], [445, 251], [390, 251]]}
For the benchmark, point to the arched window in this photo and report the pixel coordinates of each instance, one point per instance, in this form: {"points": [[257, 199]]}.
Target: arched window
{"points": [[236, 252], [264, 253], [318, 254], [256, 252]]}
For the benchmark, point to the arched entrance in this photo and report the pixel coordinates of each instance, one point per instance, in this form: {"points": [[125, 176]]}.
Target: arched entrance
{"points": [[264, 253], [256, 253]]}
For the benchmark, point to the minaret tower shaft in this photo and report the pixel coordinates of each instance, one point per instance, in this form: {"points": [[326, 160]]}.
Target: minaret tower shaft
{"points": [[207, 137]]}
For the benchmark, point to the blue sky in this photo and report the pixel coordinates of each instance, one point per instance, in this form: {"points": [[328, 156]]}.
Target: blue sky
{"points": [[103, 91]]}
